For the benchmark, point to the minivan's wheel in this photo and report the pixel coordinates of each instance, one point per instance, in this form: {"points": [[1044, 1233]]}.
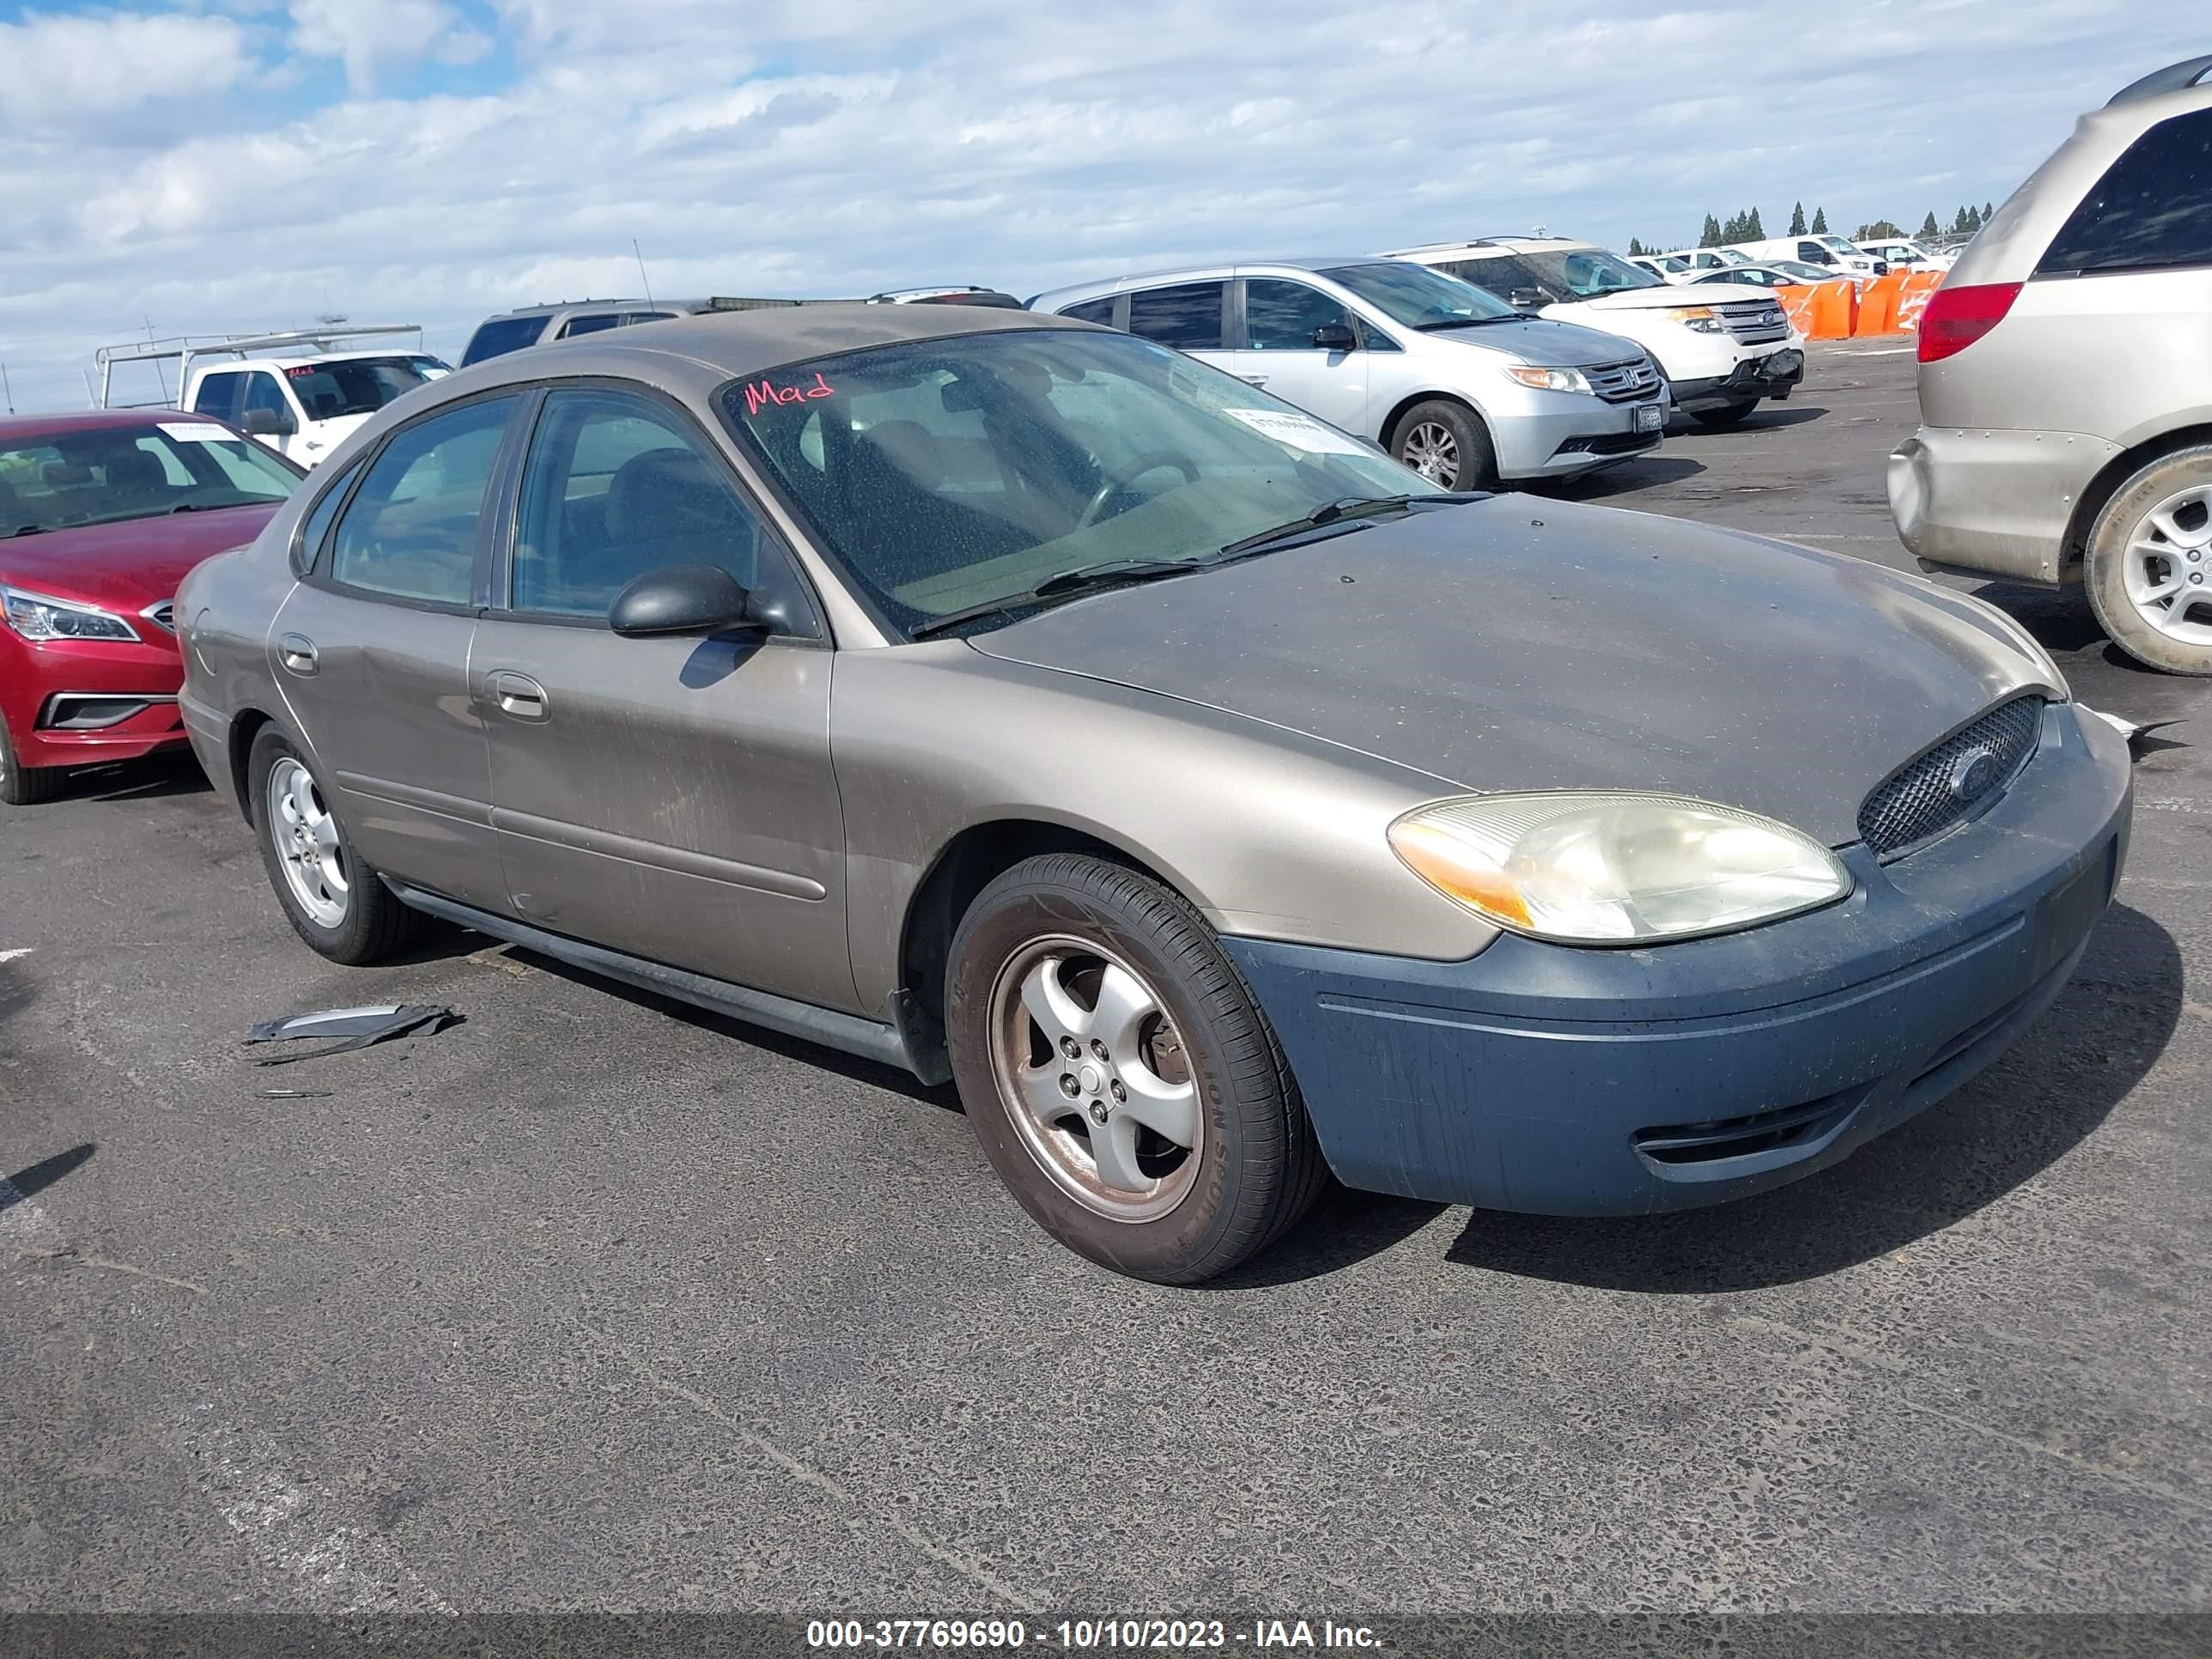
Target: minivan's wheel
{"points": [[1120, 1077], [336, 902], [26, 785], [1446, 443], [2149, 573], [1726, 415]]}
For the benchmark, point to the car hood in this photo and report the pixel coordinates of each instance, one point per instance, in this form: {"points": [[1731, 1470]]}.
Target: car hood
{"points": [[1534, 340], [128, 565], [1517, 644]]}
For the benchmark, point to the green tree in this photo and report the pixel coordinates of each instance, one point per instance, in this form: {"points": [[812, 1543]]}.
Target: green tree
{"points": [[1928, 226], [1879, 230], [1797, 219], [1989, 212], [1710, 236], [1820, 222], [1635, 247], [1958, 225], [1754, 231]]}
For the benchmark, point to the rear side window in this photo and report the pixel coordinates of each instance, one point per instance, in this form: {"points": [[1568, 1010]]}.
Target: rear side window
{"points": [[1187, 316], [1093, 311], [410, 531], [2152, 208], [317, 522], [500, 335]]}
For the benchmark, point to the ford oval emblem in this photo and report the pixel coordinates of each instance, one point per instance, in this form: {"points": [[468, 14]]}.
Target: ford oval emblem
{"points": [[1974, 776]]}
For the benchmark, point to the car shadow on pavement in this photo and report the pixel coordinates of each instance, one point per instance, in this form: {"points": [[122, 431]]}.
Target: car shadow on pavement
{"points": [[1630, 476], [153, 778], [2037, 1103], [34, 1178], [15, 991]]}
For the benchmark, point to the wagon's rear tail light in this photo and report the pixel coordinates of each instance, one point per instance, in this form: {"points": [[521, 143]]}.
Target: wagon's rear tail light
{"points": [[1957, 317]]}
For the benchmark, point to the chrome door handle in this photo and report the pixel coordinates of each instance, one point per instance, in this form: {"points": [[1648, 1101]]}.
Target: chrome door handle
{"points": [[1253, 379], [518, 696], [297, 653]]}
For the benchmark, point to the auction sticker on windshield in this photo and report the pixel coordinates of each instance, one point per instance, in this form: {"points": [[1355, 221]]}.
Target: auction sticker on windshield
{"points": [[1299, 432], [197, 432]]}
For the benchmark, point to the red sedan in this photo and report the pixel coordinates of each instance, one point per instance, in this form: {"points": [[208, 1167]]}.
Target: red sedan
{"points": [[101, 516]]}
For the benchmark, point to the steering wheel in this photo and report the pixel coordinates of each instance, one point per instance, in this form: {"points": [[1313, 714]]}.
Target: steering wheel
{"points": [[1119, 479]]}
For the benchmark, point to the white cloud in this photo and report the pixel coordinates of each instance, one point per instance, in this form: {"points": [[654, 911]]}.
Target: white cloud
{"points": [[840, 145], [369, 34], [58, 71]]}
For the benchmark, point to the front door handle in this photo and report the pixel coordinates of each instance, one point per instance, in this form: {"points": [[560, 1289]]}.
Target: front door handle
{"points": [[297, 653], [518, 696], [1253, 379]]}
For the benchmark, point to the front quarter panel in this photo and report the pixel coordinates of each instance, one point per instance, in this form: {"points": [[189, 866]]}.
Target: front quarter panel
{"points": [[1271, 835]]}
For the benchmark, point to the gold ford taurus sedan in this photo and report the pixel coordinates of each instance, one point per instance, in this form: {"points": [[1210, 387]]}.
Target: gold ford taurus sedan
{"points": [[1220, 804]]}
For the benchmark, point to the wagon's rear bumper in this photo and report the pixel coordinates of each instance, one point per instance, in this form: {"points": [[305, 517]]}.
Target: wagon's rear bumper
{"points": [[1589, 1082]]}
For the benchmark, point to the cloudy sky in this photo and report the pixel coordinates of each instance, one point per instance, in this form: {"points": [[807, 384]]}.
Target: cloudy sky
{"points": [[242, 164]]}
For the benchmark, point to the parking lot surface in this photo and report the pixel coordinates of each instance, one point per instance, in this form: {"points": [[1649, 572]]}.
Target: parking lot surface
{"points": [[594, 1301]]}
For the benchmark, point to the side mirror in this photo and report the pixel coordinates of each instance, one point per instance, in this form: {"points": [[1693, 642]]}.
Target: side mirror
{"points": [[1335, 336], [269, 423], [681, 598]]}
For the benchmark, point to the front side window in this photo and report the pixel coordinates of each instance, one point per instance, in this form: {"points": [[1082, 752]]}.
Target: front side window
{"points": [[263, 394], [616, 487], [354, 386], [218, 395], [2151, 211], [62, 479], [1187, 316], [1282, 316], [410, 531], [946, 474], [1420, 297]]}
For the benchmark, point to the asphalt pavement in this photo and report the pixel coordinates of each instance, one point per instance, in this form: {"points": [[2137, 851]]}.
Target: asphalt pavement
{"points": [[596, 1301]]}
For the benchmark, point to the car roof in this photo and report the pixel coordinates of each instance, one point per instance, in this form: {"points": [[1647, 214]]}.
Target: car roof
{"points": [[555, 308], [1478, 247], [1220, 269], [213, 364], [15, 428]]}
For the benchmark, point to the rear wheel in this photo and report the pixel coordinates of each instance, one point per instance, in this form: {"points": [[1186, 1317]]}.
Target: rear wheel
{"points": [[1447, 444], [1726, 415], [2150, 567], [1120, 1077], [26, 785], [333, 899]]}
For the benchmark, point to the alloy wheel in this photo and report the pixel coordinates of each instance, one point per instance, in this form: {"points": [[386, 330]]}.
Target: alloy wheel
{"points": [[308, 846], [1095, 1078], [2167, 573], [1432, 451]]}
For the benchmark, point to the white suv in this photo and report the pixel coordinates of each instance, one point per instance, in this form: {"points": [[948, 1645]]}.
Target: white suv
{"points": [[1458, 387], [1723, 349]]}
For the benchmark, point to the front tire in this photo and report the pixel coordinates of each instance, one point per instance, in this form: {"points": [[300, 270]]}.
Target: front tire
{"points": [[1447, 444], [331, 896], [26, 785], [2150, 563], [1118, 1075]]}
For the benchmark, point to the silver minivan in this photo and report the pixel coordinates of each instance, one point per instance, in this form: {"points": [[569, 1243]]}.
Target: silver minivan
{"points": [[2066, 380], [1449, 380]]}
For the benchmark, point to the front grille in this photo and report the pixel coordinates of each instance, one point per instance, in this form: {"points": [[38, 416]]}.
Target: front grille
{"points": [[1953, 781], [163, 615], [1754, 322], [1624, 383]]}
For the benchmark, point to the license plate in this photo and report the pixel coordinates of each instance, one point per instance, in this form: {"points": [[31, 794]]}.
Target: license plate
{"points": [[1649, 417]]}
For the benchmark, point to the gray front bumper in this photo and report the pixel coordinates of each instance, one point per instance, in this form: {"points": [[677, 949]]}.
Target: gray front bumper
{"points": [[1994, 503]]}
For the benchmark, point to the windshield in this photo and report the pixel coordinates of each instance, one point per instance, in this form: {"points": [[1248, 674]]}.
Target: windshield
{"points": [[354, 386], [948, 474], [60, 479], [1835, 245], [1417, 296], [1579, 275]]}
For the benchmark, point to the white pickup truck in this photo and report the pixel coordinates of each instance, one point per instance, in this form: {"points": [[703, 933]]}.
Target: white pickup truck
{"points": [[287, 390]]}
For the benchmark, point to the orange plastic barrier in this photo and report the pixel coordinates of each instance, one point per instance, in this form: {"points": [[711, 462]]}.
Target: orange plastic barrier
{"points": [[1912, 299], [1821, 311], [1878, 304]]}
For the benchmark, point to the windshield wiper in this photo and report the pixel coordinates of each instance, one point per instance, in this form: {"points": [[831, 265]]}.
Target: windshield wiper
{"points": [[1085, 579], [28, 529], [1343, 509]]}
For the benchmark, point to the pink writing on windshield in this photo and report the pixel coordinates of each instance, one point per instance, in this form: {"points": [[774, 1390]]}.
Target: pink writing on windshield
{"points": [[761, 393]]}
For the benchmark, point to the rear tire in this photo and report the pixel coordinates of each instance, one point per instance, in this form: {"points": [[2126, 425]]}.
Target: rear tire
{"points": [[1726, 415], [1447, 444], [26, 785], [1182, 1148], [334, 899], [2155, 534]]}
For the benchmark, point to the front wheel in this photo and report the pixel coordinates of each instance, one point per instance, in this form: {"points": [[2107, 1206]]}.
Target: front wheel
{"points": [[1118, 1074], [26, 785], [2149, 569], [1447, 444], [333, 899], [1726, 415]]}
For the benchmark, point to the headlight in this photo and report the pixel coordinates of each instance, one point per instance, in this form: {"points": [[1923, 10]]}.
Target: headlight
{"points": [[35, 617], [1702, 318], [1552, 379], [1615, 869]]}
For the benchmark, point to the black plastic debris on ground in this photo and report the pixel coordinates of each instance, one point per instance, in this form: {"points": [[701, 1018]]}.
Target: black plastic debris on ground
{"points": [[356, 1027]]}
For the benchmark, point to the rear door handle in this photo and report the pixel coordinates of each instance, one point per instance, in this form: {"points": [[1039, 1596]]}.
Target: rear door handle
{"points": [[518, 696], [297, 653]]}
